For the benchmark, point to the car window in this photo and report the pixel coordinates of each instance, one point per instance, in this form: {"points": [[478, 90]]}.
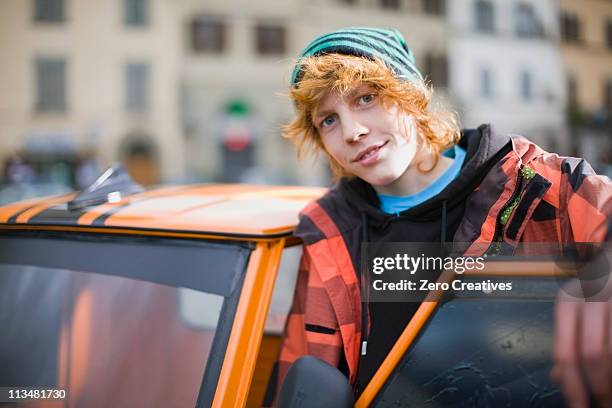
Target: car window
{"points": [[282, 296], [480, 352], [199, 310], [112, 324]]}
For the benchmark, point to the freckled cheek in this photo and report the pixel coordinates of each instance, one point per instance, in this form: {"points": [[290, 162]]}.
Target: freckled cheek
{"points": [[335, 152]]}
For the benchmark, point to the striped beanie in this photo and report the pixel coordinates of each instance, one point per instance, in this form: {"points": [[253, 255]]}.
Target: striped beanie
{"points": [[368, 42]]}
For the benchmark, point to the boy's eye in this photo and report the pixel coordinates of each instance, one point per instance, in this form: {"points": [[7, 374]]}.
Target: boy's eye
{"points": [[327, 121], [365, 99]]}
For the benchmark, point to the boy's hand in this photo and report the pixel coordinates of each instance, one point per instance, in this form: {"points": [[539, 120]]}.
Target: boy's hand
{"points": [[583, 351], [583, 337]]}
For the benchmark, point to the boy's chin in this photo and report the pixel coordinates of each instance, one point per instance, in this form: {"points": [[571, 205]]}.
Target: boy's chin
{"points": [[384, 174], [381, 180]]}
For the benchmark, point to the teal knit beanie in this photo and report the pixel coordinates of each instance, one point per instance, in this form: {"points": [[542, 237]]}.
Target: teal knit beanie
{"points": [[368, 42]]}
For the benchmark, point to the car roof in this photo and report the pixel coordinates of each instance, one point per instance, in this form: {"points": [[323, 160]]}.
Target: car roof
{"points": [[224, 209]]}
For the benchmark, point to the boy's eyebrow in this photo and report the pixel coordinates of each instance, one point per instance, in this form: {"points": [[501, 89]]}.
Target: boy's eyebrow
{"points": [[319, 113], [350, 94], [355, 91]]}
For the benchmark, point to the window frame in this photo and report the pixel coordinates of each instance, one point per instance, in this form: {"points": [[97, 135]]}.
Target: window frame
{"points": [[80, 251], [526, 22], [573, 99], [141, 18], [436, 69], [485, 83], [390, 5], [39, 12], [608, 32], [220, 27], [266, 50], [434, 7], [484, 16], [137, 86], [51, 84], [526, 85], [570, 28], [607, 96]]}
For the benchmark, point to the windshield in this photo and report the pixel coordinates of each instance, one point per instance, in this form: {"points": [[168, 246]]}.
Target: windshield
{"points": [[108, 317]]}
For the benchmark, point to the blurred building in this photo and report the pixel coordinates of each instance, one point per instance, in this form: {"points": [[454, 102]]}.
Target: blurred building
{"points": [[193, 90], [176, 88], [237, 62], [586, 47], [82, 77], [506, 67]]}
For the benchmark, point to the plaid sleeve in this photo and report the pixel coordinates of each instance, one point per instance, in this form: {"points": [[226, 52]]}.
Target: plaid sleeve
{"points": [[585, 202], [310, 328]]}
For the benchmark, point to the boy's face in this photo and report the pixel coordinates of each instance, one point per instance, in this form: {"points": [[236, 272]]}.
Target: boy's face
{"points": [[374, 143]]}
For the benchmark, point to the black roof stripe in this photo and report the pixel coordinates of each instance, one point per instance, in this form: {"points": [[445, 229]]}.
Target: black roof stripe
{"points": [[13, 219], [101, 219], [57, 214]]}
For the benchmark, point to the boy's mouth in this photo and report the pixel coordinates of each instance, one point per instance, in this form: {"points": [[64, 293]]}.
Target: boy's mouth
{"points": [[369, 152]]}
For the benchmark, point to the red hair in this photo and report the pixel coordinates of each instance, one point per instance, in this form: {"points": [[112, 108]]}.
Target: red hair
{"points": [[341, 74]]}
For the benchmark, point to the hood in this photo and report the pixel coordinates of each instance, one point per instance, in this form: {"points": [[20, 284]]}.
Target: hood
{"points": [[483, 149]]}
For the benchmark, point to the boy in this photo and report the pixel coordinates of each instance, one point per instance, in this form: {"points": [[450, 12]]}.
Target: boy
{"points": [[410, 175]]}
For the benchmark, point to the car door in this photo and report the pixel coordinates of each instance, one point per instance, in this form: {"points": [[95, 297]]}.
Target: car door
{"points": [[109, 317], [490, 350]]}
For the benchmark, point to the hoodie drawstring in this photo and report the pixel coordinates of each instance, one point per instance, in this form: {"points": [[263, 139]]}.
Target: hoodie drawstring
{"points": [[365, 301]]}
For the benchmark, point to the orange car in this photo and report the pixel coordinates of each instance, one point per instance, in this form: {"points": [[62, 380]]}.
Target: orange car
{"points": [[170, 298]]}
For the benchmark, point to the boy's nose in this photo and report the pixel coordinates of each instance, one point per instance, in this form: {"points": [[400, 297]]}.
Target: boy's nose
{"points": [[354, 131]]}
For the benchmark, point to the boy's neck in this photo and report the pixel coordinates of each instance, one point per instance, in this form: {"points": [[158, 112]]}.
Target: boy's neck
{"points": [[413, 180]]}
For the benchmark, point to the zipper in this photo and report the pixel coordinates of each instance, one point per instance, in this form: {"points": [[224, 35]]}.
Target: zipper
{"points": [[525, 173]]}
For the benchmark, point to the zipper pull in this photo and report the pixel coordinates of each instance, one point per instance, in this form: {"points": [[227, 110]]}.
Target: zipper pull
{"points": [[364, 348]]}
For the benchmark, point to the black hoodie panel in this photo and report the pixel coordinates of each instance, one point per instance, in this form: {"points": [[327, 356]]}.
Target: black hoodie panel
{"points": [[309, 233]]}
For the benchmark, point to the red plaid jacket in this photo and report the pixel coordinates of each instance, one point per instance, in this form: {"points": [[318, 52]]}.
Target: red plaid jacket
{"points": [[529, 196]]}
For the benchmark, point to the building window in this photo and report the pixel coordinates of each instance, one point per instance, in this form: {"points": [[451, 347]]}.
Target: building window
{"points": [[137, 87], [435, 7], [136, 12], [609, 34], [208, 35], [572, 92], [50, 85], [526, 86], [486, 86], [50, 11], [390, 4], [485, 16], [436, 69], [270, 39], [570, 28], [526, 22], [608, 96]]}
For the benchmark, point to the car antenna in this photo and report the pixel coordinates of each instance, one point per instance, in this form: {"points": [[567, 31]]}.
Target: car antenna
{"points": [[114, 184]]}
